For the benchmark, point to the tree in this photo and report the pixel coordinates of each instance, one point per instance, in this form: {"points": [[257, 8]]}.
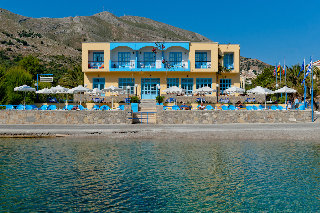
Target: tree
{"points": [[32, 65], [14, 77], [72, 78]]}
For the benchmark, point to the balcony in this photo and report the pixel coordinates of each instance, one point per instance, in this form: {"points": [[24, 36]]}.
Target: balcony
{"points": [[149, 66], [95, 65], [203, 64]]}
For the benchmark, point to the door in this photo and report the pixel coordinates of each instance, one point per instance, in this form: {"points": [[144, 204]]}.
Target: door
{"points": [[149, 88]]}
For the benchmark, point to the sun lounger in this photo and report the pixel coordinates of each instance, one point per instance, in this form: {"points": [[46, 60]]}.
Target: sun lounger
{"points": [[273, 107], [223, 107], [175, 107], [43, 107], [121, 107], [95, 107], [209, 107], [231, 107], [104, 107], [29, 107], [249, 107], [52, 107], [9, 107], [81, 107], [280, 108], [302, 107], [20, 107], [255, 107], [69, 107], [261, 107]]}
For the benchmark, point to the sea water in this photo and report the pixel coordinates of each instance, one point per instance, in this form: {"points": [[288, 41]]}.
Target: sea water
{"points": [[94, 175]]}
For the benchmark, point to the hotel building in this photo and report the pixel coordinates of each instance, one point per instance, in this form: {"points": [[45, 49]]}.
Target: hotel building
{"points": [[144, 65]]}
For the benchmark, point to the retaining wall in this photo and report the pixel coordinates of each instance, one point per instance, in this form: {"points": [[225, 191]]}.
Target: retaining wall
{"points": [[64, 117], [237, 116]]}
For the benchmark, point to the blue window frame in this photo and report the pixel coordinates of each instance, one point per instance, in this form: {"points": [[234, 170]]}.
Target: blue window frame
{"points": [[187, 84], [225, 83], [203, 82], [98, 83], [124, 82], [124, 59], [98, 56], [175, 59], [201, 60], [149, 59], [228, 61], [172, 82]]}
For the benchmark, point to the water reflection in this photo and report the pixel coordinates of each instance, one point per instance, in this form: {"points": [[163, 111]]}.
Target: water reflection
{"points": [[101, 175]]}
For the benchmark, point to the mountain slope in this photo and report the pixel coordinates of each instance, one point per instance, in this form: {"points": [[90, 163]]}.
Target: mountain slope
{"points": [[61, 38]]}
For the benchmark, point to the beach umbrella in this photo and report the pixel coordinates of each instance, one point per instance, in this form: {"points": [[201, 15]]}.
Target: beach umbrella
{"points": [[285, 90], [60, 90], [79, 89], [45, 91], [233, 90], [174, 90], [24, 89], [112, 89], [96, 91], [205, 90], [261, 90]]}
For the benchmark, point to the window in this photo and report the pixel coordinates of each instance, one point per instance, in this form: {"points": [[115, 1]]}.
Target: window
{"points": [[124, 59], [224, 84], [98, 56], [172, 82], [203, 82], [124, 82], [228, 61], [187, 84], [149, 59], [201, 60], [175, 59], [98, 83]]}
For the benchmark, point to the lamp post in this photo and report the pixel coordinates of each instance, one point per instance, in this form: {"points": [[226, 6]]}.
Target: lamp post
{"points": [[136, 86], [128, 90], [217, 85]]}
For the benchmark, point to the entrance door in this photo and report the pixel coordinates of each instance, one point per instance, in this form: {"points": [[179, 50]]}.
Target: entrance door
{"points": [[149, 88]]}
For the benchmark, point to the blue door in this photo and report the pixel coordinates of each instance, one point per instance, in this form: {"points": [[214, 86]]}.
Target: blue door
{"points": [[149, 88]]}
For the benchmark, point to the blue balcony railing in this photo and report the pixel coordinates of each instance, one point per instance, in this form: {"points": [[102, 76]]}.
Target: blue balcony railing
{"points": [[95, 64], [147, 64], [122, 64], [203, 64]]}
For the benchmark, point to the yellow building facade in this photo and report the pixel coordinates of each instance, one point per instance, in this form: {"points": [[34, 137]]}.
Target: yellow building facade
{"points": [[147, 68]]}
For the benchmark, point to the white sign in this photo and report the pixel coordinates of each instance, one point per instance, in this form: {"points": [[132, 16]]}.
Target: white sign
{"points": [[46, 79]]}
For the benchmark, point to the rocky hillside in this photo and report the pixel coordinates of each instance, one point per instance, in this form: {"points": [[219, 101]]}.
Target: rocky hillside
{"points": [[256, 65], [53, 39]]}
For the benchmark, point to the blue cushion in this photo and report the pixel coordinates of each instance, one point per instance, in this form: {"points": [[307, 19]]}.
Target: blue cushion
{"points": [[52, 107], [254, 107], [231, 107], [273, 107], [104, 107], [69, 107], [43, 107], [280, 107], [20, 107], [249, 107], [175, 107], [9, 107], [224, 107], [209, 107], [29, 107], [96, 107], [302, 107]]}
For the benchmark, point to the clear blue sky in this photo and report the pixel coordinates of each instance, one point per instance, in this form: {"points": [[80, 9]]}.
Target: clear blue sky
{"points": [[269, 30]]}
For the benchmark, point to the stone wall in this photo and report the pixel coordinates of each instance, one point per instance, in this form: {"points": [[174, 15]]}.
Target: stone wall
{"points": [[64, 117], [237, 116]]}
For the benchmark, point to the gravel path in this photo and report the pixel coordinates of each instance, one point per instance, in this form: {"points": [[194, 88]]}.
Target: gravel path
{"points": [[304, 131]]}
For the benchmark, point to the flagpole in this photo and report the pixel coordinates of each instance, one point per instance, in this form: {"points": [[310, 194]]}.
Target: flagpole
{"points": [[312, 91], [304, 82], [285, 80]]}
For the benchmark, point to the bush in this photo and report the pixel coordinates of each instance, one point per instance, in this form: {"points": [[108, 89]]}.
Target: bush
{"points": [[134, 99], [160, 99]]}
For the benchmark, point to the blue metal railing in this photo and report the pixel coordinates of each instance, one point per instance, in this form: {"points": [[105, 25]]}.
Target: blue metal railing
{"points": [[141, 118], [95, 64]]}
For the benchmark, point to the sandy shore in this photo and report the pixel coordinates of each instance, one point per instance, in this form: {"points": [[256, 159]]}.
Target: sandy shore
{"points": [[305, 131]]}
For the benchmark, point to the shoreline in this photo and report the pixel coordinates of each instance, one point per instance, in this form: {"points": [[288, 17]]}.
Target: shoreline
{"points": [[299, 131]]}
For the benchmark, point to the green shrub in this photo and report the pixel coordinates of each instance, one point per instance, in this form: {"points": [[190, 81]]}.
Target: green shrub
{"points": [[134, 99], [160, 99]]}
